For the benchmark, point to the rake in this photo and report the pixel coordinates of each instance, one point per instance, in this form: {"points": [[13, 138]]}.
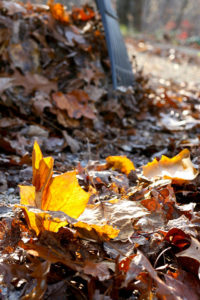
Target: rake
{"points": [[122, 74]]}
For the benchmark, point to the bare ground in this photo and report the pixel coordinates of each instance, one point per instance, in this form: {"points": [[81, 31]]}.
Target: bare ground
{"points": [[184, 69]]}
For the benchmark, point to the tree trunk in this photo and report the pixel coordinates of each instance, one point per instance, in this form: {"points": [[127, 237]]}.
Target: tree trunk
{"points": [[181, 13], [137, 11], [122, 11], [130, 13]]}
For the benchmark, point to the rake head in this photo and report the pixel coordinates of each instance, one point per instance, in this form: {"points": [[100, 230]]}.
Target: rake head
{"points": [[122, 74]]}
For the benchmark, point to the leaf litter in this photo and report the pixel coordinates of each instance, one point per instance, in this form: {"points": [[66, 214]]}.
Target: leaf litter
{"points": [[119, 218]]}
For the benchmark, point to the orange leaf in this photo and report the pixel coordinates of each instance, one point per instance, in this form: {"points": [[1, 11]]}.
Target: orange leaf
{"points": [[61, 193], [58, 12], [151, 204], [178, 168], [121, 163], [125, 263], [83, 14]]}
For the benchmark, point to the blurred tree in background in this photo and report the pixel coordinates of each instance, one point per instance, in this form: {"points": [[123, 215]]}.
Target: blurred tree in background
{"points": [[130, 13], [152, 15]]}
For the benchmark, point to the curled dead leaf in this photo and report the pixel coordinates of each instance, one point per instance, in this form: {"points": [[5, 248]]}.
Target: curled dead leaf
{"points": [[178, 168], [178, 239], [192, 251]]}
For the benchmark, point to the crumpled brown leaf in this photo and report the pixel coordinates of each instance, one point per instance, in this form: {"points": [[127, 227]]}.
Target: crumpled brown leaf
{"points": [[119, 214], [170, 291], [75, 103]]}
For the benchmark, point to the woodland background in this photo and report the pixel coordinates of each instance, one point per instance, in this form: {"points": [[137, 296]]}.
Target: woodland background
{"points": [[153, 16]]}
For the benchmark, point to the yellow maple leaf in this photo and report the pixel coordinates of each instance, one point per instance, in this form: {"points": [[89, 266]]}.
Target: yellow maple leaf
{"points": [[48, 193], [121, 163], [178, 168]]}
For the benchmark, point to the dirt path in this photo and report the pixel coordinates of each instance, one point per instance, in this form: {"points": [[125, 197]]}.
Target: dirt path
{"points": [[182, 71]]}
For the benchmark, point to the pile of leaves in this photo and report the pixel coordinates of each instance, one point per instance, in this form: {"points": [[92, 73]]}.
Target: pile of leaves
{"points": [[110, 228], [55, 86], [52, 71]]}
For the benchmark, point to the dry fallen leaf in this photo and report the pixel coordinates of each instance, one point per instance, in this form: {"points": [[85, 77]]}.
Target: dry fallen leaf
{"points": [[49, 254], [137, 266], [60, 193], [193, 251], [186, 248], [5, 83], [96, 232], [178, 168], [121, 163], [40, 272], [173, 124], [12, 7], [99, 270], [118, 213], [75, 103]]}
